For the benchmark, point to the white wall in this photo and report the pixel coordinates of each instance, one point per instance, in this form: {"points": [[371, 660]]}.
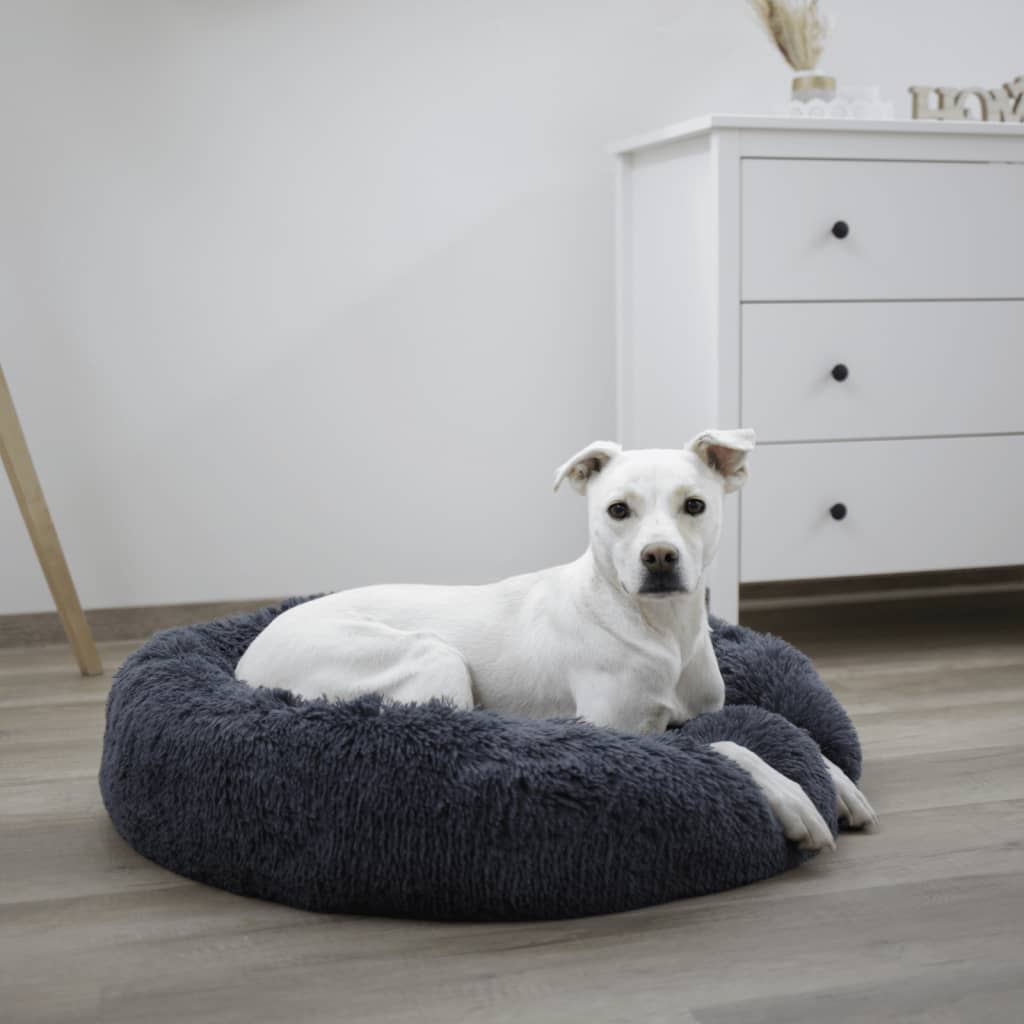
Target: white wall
{"points": [[299, 295]]}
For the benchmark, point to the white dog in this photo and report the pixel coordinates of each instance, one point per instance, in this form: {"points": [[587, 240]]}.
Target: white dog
{"points": [[619, 637]]}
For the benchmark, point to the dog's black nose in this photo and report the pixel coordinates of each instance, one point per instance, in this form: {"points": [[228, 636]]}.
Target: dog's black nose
{"points": [[660, 557]]}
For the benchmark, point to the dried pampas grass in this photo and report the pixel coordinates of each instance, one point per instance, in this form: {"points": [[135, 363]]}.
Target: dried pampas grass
{"points": [[798, 28]]}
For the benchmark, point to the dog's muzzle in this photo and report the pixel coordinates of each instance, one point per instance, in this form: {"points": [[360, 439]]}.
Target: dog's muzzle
{"points": [[669, 584], [661, 562]]}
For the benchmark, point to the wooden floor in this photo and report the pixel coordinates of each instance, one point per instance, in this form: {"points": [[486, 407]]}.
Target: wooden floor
{"points": [[922, 921]]}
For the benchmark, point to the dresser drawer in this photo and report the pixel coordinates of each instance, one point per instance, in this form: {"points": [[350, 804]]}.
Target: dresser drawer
{"points": [[916, 505], [912, 368], [917, 230]]}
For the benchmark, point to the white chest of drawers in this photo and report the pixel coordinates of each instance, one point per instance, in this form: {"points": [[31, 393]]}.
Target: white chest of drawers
{"points": [[853, 291]]}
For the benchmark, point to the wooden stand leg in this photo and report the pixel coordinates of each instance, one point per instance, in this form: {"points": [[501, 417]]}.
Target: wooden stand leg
{"points": [[29, 495]]}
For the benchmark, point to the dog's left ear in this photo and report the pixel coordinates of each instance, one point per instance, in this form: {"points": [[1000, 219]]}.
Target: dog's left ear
{"points": [[725, 451], [586, 463]]}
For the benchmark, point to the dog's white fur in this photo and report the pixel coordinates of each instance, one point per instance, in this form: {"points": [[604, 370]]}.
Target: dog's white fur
{"points": [[581, 639]]}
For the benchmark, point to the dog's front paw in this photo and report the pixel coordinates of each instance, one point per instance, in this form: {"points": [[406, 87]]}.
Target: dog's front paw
{"points": [[797, 815], [851, 804]]}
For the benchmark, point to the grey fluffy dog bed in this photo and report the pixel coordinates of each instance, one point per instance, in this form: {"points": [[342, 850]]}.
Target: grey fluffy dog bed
{"points": [[427, 811]]}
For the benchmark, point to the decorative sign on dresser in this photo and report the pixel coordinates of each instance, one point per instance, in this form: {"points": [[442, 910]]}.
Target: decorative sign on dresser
{"points": [[945, 103], [854, 292]]}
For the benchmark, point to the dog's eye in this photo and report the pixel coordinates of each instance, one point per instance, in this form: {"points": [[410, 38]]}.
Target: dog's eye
{"points": [[618, 510], [693, 506]]}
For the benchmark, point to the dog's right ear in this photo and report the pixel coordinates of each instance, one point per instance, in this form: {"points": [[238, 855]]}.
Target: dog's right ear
{"points": [[586, 463]]}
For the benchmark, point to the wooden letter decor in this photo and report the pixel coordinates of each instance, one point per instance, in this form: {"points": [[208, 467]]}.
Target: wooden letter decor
{"points": [[971, 104]]}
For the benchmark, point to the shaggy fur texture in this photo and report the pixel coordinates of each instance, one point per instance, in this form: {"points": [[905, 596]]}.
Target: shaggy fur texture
{"points": [[429, 812]]}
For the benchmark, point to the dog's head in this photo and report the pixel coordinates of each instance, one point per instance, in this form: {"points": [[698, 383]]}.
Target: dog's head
{"points": [[656, 514]]}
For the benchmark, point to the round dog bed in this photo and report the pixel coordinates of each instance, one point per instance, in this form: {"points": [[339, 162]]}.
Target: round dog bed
{"points": [[426, 811]]}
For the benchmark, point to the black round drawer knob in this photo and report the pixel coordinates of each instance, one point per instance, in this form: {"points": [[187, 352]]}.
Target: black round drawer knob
{"points": [[840, 371], [838, 511], [840, 229]]}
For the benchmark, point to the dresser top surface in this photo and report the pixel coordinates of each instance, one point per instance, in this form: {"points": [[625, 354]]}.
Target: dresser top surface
{"points": [[713, 122]]}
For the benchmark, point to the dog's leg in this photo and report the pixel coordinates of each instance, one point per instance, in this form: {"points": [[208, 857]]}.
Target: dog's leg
{"points": [[799, 818], [348, 657], [601, 700], [851, 803], [700, 687]]}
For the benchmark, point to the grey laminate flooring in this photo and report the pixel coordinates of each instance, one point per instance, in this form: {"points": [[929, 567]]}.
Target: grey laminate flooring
{"points": [[922, 921]]}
